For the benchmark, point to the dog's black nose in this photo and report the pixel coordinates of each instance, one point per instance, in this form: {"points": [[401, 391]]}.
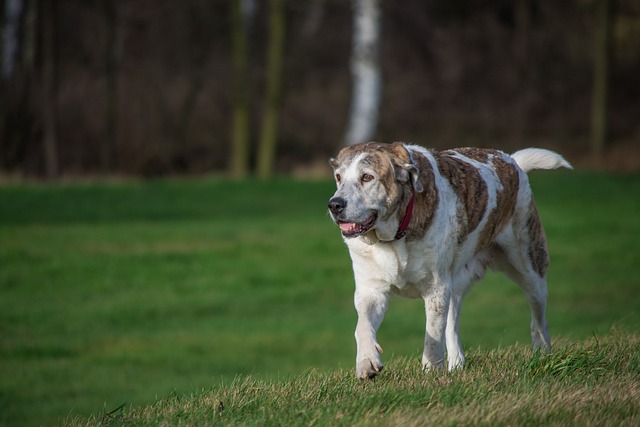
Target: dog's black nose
{"points": [[337, 205]]}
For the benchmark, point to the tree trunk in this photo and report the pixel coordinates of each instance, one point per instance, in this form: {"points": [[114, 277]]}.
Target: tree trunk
{"points": [[600, 100], [11, 44], [49, 88], [365, 70], [269, 128], [20, 40], [239, 162], [10, 36]]}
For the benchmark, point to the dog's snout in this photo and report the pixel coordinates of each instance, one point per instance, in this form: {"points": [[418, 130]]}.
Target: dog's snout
{"points": [[337, 205]]}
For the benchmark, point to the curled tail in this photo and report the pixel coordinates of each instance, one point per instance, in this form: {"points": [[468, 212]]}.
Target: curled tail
{"points": [[538, 158]]}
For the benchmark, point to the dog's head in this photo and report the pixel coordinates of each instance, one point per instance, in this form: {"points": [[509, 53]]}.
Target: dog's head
{"points": [[372, 179]]}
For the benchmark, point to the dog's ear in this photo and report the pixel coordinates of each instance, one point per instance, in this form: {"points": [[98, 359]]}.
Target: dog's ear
{"points": [[334, 163], [407, 169]]}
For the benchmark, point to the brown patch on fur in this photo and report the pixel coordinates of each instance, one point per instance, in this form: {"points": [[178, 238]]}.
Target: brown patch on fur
{"points": [[399, 150], [537, 241], [400, 194], [505, 199], [349, 153], [426, 202], [478, 154], [383, 162], [470, 188]]}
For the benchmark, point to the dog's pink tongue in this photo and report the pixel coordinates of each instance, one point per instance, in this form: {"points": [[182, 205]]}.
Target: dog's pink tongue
{"points": [[347, 227]]}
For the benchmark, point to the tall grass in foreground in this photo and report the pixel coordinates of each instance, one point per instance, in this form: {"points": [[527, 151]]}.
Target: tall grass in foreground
{"points": [[595, 382]]}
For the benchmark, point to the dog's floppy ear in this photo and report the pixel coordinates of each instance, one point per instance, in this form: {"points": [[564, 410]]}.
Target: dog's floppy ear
{"points": [[407, 168]]}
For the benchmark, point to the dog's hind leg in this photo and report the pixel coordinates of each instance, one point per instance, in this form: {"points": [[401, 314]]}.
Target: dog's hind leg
{"points": [[517, 265], [461, 282], [455, 354], [535, 290]]}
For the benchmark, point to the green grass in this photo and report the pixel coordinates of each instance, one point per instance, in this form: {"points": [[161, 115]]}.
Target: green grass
{"points": [[590, 383], [132, 292]]}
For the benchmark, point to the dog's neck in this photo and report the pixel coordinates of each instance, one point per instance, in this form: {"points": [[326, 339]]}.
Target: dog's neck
{"points": [[404, 224]]}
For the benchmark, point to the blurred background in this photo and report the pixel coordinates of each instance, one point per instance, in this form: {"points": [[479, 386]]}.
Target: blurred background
{"points": [[154, 88]]}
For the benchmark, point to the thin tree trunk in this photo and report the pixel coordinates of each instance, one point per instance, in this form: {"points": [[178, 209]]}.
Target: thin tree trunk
{"points": [[239, 162], [11, 16], [19, 75], [600, 100], [10, 36], [49, 89], [365, 70], [269, 129]]}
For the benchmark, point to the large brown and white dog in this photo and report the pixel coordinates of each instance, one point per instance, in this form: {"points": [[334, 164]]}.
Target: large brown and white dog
{"points": [[427, 224]]}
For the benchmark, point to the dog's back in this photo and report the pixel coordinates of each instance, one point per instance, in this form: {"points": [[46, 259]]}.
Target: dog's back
{"points": [[494, 199]]}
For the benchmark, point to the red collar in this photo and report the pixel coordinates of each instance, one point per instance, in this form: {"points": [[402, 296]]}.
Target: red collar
{"points": [[404, 224]]}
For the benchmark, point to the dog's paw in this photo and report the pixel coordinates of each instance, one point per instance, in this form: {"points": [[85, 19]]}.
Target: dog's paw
{"points": [[456, 361], [368, 368], [427, 365], [369, 365], [456, 365]]}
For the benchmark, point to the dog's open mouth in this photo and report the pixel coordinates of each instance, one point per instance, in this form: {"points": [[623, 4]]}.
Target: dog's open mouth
{"points": [[353, 229]]}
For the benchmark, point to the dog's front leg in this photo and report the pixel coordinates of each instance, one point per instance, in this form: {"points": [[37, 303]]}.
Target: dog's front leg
{"points": [[371, 305], [436, 303]]}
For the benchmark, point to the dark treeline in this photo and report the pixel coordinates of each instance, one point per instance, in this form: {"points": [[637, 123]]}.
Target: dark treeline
{"points": [[146, 87]]}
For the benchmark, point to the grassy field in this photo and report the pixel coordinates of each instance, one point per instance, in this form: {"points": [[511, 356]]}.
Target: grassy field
{"points": [[590, 383], [134, 292]]}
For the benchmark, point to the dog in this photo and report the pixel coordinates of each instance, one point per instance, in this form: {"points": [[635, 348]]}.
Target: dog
{"points": [[427, 224]]}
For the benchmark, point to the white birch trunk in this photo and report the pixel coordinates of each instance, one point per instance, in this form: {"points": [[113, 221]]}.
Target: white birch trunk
{"points": [[10, 36], [365, 71]]}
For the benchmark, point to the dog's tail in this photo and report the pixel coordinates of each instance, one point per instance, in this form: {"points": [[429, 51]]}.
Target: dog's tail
{"points": [[538, 158]]}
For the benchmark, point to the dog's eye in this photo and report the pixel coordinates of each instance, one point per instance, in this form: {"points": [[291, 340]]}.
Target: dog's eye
{"points": [[367, 178], [338, 177]]}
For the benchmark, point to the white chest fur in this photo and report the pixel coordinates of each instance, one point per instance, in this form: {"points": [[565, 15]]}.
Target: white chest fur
{"points": [[396, 267]]}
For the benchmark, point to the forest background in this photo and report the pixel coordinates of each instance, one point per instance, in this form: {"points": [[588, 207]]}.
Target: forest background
{"points": [[152, 88]]}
